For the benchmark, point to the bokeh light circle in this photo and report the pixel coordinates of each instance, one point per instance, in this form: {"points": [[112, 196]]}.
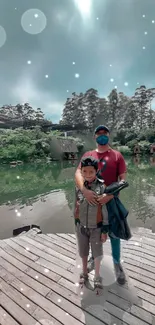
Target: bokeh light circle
{"points": [[107, 270], [2, 36], [33, 21]]}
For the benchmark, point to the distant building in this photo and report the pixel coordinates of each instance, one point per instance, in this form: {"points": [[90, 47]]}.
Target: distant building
{"points": [[136, 149], [152, 148]]}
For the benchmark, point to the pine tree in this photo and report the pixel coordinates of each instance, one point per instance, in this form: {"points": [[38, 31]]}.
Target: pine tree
{"points": [[151, 96], [67, 115], [91, 103], [113, 109], [102, 112], [142, 104]]}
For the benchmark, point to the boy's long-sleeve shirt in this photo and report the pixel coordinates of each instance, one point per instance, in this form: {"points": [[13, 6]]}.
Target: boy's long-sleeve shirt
{"points": [[91, 216]]}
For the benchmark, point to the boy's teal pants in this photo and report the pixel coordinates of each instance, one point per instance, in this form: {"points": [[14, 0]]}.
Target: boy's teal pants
{"points": [[116, 249]]}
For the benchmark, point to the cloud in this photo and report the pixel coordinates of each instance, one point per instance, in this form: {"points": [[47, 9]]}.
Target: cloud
{"points": [[25, 91], [153, 104]]}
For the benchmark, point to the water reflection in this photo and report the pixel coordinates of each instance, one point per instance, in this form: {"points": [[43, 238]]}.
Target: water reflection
{"points": [[44, 194]]}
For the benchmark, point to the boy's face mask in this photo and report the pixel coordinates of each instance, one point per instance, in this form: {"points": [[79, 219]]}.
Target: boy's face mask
{"points": [[102, 139]]}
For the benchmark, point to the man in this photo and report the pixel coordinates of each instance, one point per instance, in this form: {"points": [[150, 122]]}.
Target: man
{"points": [[112, 168]]}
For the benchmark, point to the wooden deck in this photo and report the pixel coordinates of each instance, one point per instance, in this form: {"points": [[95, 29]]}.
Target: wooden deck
{"points": [[38, 283]]}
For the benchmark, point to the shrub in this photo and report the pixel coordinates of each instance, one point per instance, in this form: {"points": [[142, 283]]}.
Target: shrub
{"points": [[132, 143], [145, 147], [124, 150]]}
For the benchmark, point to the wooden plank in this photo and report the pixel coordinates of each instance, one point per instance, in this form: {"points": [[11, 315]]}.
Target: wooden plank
{"points": [[20, 271], [68, 285], [55, 287], [145, 240], [141, 278], [145, 233], [60, 254], [18, 313], [134, 310], [72, 235], [69, 298], [44, 318], [145, 295], [141, 249], [40, 251], [17, 296], [126, 295], [138, 270], [110, 297], [56, 269], [6, 319], [61, 240], [63, 243], [19, 249], [145, 287], [60, 247], [67, 238], [9, 273], [125, 316], [141, 244], [83, 316], [138, 264], [138, 259], [139, 253], [15, 259], [38, 300]]}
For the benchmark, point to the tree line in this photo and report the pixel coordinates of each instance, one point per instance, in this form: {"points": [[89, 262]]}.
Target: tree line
{"points": [[21, 115], [117, 110]]}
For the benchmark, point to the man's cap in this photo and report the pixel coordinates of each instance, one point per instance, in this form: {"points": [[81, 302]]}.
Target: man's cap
{"points": [[100, 128], [89, 161]]}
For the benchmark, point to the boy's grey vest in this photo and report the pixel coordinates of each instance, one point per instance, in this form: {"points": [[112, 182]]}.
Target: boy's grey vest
{"points": [[87, 212]]}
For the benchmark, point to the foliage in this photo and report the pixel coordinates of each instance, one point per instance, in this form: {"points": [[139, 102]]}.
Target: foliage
{"points": [[132, 143], [26, 145], [125, 150]]}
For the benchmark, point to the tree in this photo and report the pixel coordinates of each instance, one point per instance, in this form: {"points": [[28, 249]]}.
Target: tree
{"points": [[151, 96], [21, 115], [67, 115], [103, 112], [91, 106], [141, 101], [113, 110], [79, 110]]}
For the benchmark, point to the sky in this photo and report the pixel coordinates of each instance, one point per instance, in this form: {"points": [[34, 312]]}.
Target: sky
{"points": [[51, 48]]}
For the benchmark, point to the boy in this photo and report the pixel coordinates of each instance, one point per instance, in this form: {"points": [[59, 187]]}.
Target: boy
{"points": [[91, 221]]}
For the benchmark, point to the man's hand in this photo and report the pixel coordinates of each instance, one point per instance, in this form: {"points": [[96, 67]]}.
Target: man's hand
{"points": [[104, 198], [90, 196]]}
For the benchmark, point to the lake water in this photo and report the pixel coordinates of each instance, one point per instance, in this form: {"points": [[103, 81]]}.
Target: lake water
{"points": [[43, 194]]}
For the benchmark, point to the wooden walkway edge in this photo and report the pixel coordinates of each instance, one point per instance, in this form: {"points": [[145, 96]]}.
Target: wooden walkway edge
{"points": [[39, 274]]}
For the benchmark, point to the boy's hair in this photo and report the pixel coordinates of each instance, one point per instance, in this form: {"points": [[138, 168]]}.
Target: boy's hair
{"points": [[89, 161]]}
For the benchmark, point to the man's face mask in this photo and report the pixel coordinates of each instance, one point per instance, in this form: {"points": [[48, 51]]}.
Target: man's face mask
{"points": [[102, 139]]}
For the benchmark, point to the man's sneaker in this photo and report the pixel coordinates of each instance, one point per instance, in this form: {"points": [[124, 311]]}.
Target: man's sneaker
{"points": [[91, 265], [120, 275]]}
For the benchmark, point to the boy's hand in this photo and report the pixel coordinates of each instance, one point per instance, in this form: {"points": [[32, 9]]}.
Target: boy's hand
{"points": [[90, 196], [103, 238], [104, 198]]}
